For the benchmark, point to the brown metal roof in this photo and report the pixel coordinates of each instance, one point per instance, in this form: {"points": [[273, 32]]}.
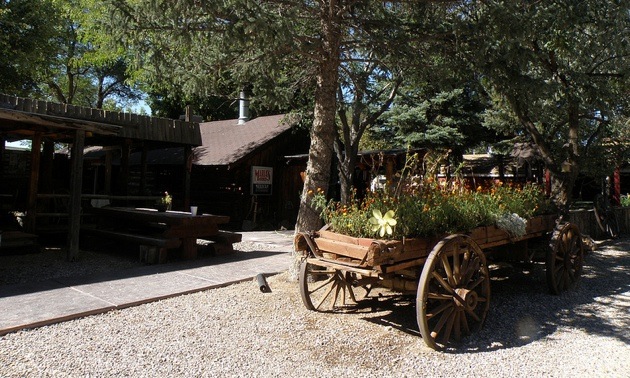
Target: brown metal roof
{"points": [[226, 142]]}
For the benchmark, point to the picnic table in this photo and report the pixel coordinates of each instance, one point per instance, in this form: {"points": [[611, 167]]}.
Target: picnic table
{"points": [[160, 230]]}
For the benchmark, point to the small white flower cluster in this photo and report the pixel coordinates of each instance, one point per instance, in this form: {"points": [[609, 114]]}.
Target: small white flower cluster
{"points": [[512, 223]]}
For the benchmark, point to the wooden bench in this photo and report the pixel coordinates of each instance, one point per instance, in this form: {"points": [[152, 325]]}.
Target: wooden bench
{"points": [[18, 240], [221, 243], [153, 249]]}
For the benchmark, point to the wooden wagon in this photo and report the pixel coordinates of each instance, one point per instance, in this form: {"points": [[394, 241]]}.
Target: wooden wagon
{"points": [[449, 275]]}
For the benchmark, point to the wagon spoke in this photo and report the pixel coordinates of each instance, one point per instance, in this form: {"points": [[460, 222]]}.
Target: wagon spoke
{"points": [[478, 282], [472, 313], [328, 292], [472, 269], [449, 327], [447, 270], [444, 284], [439, 309], [465, 327], [443, 319], [465, 262], [450, 293], [457, 325], [456, 266], [327, 282], [440, 297]]}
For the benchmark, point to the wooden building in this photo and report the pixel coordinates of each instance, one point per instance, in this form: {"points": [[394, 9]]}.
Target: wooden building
{"points": [[56, 178], [239, 170]]}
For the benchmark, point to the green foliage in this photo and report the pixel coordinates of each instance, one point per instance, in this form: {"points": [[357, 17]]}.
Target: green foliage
{"points": [[556, 72], [434, 209], [27, 31]]}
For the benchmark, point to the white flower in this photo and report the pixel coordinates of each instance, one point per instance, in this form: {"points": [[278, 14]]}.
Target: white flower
{"points": [[513, 224], [383, 223]]}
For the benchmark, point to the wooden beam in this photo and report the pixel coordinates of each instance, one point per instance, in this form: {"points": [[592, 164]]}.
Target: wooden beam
{"points": [[188, 161], [76, 183], [108, 171], [2, 152], [31, 212], [46, 170], [123, 177], [143, 169], [59, 122]]}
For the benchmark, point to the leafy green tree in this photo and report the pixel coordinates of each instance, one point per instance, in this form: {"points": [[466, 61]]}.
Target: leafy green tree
{"points": [[366, 91], [555, 70], [82, 71], [285, 50], [27, 31]]}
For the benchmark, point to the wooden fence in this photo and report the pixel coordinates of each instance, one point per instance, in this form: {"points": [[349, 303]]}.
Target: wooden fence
{"points": [[585, 220]]}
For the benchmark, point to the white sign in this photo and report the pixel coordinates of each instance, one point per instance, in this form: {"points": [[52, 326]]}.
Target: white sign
{"points": [[262, 180]]}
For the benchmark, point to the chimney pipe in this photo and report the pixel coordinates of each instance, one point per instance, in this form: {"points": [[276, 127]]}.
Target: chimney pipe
{"points": [[243, 108]]}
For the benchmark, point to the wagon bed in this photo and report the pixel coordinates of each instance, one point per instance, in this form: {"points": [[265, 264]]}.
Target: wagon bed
{"points": [[448, 274]]}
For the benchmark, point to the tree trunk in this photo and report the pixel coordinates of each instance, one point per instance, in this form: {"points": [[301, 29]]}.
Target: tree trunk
{"points": [[346, 177], [323, 131]]}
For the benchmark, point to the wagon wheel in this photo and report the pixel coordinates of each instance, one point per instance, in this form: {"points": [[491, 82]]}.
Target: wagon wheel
{"points": [[328, 289], [564, 258], [453, 292]]}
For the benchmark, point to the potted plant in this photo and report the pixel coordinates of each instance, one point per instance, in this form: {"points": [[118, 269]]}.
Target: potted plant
{"points": [[164, 203]]}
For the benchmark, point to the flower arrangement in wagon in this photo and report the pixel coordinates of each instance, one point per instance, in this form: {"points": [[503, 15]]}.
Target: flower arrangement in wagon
{"points": [[433, 209]]}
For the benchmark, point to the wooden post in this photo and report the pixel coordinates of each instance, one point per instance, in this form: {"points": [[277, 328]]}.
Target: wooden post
{"points": [[616, 187], [143, 170], [547, 182], [76, 183], [46, 172], [123, 179], [390, 170], [31, 207], [108, 172], [2, 152], [188, 160]]}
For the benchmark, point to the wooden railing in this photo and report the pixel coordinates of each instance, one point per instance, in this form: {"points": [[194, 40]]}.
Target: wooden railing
{"points": [[135, 126]]}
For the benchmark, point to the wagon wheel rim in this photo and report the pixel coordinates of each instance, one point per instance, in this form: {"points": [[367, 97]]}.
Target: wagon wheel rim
{"points": [[327, 289], [564, 259], [454, 291]]}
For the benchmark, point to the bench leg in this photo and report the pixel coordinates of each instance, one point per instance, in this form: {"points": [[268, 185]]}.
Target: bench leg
{"points": [[153, 255], [189, 248]]}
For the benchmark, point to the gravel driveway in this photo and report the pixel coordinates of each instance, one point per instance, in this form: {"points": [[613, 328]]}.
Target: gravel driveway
{"points": [[237, 331]]}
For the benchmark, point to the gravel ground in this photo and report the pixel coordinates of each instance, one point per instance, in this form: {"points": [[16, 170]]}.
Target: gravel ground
{"points": [[237, 331]]}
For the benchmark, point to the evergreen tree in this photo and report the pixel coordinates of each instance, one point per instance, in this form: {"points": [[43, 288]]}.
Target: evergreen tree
{"points": [[557, 71]]}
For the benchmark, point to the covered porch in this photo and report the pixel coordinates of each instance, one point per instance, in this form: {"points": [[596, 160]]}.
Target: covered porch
{"points": [[33, 183]]}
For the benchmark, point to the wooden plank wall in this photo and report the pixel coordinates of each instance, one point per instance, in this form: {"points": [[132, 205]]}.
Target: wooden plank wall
{"points": [[134, 126]]}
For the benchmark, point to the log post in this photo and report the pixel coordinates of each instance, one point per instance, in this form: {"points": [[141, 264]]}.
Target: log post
{"points": [[76, 181], [188, 160], [123, 179], [143, 170], [108, 172], [616, 187], [31, 207]]}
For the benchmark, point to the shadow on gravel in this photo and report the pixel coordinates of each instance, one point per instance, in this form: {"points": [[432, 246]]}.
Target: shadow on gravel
{"points": [[522, 310]]}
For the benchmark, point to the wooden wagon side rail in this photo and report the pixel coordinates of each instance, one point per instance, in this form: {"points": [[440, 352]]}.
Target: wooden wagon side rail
{"points": [[388, 255]]}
